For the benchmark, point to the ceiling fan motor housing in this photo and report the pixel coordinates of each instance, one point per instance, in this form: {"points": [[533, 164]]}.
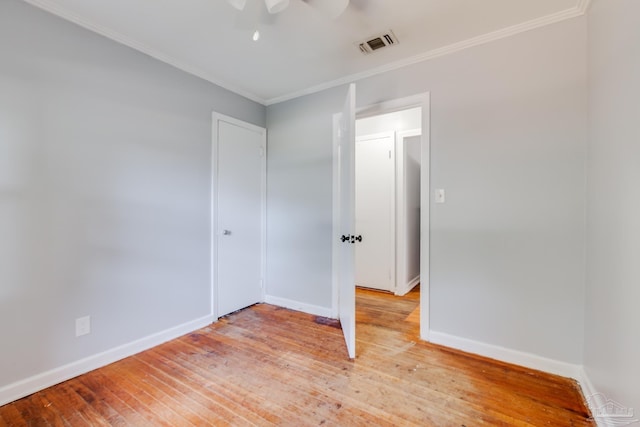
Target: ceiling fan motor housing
{"points": [[275, 6]]}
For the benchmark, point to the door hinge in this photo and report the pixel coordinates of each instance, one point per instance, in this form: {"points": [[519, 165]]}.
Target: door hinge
{"points": [[389, 154]]}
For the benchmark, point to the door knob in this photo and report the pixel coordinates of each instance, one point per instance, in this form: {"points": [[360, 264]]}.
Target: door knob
{"points": [[356, 239], [345, 238], [226, 232]]}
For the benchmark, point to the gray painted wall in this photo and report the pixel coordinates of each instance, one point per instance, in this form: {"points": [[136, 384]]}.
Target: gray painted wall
{"points": [[104, 191], [612, 346], [412, 158], [392, 122], [508, 144]]}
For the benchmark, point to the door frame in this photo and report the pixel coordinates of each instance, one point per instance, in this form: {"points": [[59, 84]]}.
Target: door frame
{"points": [[217, 117], [419, 100]]}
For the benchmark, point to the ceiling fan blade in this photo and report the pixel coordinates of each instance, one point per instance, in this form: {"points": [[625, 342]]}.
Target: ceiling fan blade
{"points": [[331, 8], [275, 6], [250, 17], [254, 16], [238, 4]]}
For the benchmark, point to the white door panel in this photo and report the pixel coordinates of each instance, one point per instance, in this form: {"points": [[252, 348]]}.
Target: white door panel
{"points": [[346, 274], [375, 209], [239, 219]]}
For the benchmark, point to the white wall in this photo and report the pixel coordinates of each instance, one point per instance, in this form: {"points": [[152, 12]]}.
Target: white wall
{"points": [[104, 192], [412, 152], [612, 346], [508, 144], [397, 121]]}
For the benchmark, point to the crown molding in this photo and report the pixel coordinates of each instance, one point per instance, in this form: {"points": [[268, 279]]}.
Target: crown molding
{"points": [[583, 6], [579, 10], [141, 47]]}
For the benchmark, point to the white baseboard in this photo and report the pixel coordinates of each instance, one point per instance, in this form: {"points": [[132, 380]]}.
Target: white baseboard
{"points": [[528, 360], [403, 290], [588, 390], [22, 388], [504, 354], [412, 284], [299, 306]]}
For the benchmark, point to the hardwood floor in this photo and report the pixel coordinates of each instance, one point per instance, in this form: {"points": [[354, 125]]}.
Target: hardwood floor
{"points": [[271, 366]]}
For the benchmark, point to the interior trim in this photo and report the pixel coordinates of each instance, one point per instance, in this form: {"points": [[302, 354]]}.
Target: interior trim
{"points": [[580, 9], [35, 383], [141, 47]]}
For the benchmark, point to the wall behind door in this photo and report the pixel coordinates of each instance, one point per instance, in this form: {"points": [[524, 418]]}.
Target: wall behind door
{"points": [[508, 144], [409, 267], [392, 122], [105, 190]]}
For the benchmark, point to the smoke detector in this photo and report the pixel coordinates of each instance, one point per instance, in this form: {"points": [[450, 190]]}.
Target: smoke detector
{"points": [[378, 42]]}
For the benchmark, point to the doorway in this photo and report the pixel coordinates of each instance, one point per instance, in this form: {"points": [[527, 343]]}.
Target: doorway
{"points": [[344, 170], [375, 210], [388, 159], [238, 214]]}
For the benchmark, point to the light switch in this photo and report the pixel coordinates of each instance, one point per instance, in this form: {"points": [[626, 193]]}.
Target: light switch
{"points": [[440, 195]]}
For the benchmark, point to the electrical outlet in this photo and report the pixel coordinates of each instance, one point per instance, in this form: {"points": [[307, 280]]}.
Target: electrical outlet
{"points": [[83, 326]]}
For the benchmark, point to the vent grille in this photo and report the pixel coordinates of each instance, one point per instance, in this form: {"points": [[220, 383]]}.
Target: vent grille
{"points": [[375, 43]]}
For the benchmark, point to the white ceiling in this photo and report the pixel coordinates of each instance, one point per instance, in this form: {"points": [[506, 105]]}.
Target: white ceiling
{"points": [[301, 50]]}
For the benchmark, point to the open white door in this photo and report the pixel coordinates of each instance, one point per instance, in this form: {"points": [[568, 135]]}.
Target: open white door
{"points": [[343, 296], [345, 258]]}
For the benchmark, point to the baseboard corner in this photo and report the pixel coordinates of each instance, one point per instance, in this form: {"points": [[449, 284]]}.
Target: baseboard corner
{"points": [[300, 306]]}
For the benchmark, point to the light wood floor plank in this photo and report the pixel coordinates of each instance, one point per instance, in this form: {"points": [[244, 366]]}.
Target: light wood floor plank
{"points": [[268, 366]]}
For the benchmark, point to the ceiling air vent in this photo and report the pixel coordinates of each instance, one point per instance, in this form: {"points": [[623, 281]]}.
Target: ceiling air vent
{"points": [[378, 42]]}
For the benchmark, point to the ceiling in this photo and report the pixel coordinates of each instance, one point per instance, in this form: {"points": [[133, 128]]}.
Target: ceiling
{"points": [[301, 50]]}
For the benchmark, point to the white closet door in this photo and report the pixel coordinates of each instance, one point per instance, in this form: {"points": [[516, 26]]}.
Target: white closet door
{"points": [[239, 224], [375, 212]]}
